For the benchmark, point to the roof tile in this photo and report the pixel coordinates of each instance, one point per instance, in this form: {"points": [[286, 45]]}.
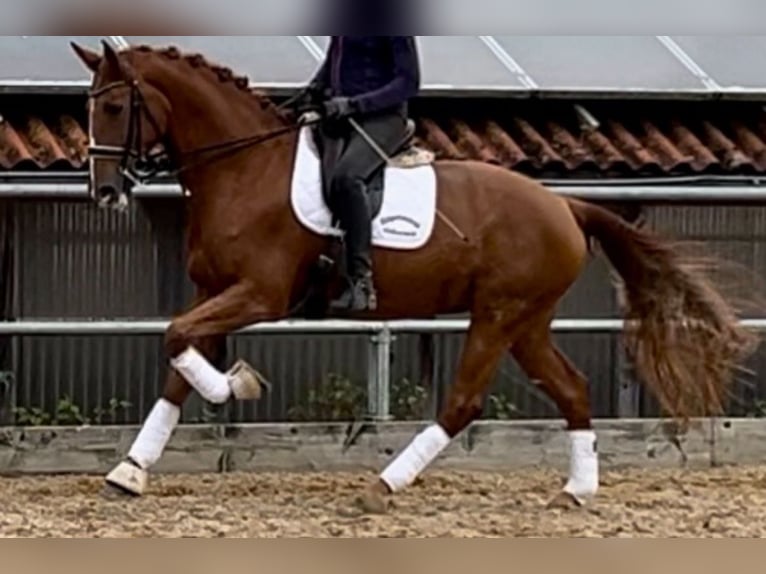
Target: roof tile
{"points": [[631, 141], [32, 143]]}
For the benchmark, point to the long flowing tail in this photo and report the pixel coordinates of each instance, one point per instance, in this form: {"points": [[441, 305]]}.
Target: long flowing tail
{"points": [[683, 337]]}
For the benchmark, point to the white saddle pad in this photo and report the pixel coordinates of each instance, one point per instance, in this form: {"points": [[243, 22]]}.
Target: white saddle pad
{"points": [[406, 218]]}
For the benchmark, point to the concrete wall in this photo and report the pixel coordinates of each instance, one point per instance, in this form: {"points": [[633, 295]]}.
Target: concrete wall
{"points": [[285, 447]]}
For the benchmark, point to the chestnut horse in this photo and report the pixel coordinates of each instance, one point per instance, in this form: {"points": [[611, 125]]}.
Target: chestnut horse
{"points": [[519, 249]]}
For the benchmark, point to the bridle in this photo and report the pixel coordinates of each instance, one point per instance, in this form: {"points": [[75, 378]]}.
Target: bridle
{"points": [[149, 164]]}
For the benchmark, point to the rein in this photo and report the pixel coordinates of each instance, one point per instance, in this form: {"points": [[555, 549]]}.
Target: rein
{"points": [[149, 164]]}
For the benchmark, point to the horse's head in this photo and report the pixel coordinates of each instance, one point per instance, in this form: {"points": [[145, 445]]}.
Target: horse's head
{"points": [[128, 120]]}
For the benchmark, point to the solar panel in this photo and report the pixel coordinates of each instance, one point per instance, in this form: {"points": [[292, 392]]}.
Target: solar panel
{"points": [[448, 63], [613, 63], [30, 60], [456, 63], [462, 62], [265, 60], [321, 41], [732, 61]]}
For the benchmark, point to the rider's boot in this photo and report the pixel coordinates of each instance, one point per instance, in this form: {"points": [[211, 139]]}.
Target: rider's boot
{"points": [[359, 294]]}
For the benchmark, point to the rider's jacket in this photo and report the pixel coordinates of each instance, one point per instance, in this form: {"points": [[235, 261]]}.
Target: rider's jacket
{"points": [[377, 72]]}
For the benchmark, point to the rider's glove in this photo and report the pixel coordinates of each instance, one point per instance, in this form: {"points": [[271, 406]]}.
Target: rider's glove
{"points": [[338, 108]]}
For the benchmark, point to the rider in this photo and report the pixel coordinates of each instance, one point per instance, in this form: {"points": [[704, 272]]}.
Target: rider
{"points": [[369, 79]]}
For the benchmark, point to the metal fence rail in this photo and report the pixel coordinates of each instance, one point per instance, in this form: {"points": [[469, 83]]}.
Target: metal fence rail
{"points": [[727, 191], [382, 335], [340, 327]]}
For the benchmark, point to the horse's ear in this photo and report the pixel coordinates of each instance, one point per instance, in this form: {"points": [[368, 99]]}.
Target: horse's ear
{"points": [[91, 59], [115, 64]]}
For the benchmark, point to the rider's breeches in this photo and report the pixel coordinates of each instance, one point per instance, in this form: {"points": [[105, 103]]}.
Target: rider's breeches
{"points": [[347, 192]]}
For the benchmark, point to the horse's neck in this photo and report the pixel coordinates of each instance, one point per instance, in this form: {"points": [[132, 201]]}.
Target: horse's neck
{"points": [[250, 195], [206, 114]]}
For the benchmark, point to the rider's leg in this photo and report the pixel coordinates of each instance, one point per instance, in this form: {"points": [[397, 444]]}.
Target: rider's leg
{"points": [[352, 208], [349, 196]]}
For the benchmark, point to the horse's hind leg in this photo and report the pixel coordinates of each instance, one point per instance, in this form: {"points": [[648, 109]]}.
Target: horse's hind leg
{"points": [[548, 367], [484, 347]]}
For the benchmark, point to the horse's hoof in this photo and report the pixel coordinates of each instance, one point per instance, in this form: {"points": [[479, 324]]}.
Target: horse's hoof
{"points": [[371, 502], [128, 478], [564, 501], [246, 383], [113, 493]]}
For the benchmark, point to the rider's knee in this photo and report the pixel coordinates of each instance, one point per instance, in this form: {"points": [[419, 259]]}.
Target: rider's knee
{"points": [[343, 183]]}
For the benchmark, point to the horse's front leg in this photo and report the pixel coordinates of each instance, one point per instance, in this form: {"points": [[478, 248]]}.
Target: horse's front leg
{"points": [[235, 308], [194, 341], [131, 475]]}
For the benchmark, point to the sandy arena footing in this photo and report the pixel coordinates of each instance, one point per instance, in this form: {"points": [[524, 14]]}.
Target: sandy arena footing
{"points": [[722, 502]]}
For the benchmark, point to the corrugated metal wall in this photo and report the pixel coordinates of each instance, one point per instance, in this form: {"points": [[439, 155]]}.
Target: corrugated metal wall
{"points": [[736, 234], [71, 260]]}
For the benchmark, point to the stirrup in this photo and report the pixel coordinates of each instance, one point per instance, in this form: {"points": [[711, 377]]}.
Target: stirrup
{"points": [[359, 288], [372, 297]]}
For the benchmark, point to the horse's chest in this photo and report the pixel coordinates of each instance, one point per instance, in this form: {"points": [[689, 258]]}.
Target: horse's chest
{"points": [[213, 263], [199, 267]]}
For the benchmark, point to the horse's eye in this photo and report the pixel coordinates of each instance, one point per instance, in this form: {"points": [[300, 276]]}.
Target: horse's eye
{"points": [[113, 108]]}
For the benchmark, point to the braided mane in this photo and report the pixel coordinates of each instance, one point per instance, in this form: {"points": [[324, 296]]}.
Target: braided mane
{"points": [[224, 74]]}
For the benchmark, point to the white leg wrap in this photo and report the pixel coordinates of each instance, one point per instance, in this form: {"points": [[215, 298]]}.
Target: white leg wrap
{"points": [[147, 448], [155, 434], [210, 383], [421, 452], [583, 469]]}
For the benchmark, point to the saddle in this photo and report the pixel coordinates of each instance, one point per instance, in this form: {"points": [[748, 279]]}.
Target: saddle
{"points": [[406, 155], [322, 275]]}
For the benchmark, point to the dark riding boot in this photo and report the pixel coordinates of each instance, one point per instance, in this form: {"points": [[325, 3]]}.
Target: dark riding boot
{"points": [[360, 293]]}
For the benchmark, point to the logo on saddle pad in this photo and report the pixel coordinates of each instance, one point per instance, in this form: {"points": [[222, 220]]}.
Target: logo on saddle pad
{"points": [[407, 212], [385, 221]]}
